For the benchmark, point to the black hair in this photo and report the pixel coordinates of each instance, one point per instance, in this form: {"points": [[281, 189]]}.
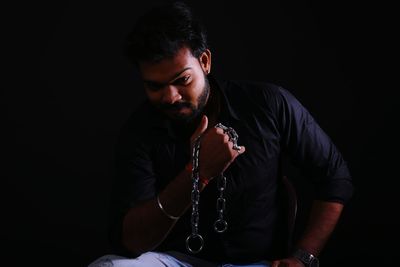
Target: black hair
{"points": [[162, 31]]}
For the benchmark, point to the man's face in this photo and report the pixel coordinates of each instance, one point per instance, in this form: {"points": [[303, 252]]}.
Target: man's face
{"points": [[178, 86]]}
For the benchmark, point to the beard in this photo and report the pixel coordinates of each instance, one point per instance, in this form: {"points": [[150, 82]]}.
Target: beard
{"points": [[195, 111]]}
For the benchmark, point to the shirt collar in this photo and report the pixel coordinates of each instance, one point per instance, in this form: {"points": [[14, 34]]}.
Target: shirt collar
{"points": [[227, 111]]}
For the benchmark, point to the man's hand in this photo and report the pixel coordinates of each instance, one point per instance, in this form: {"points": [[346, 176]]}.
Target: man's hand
{"points": [[216, 151], [289, 262]]}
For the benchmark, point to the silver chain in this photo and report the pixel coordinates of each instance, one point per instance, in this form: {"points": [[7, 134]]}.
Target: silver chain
{"points": [[220, 225], [195, 236]]}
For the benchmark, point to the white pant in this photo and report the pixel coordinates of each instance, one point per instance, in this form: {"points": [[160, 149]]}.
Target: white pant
{"points": [[157, 259], [149, 259]]}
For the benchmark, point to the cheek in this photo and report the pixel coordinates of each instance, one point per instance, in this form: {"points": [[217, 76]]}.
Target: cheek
{"points": [[197, 89], [153, 97]]}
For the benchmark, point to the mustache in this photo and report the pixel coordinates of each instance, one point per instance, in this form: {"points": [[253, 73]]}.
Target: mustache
{"points": [[175, 106]]}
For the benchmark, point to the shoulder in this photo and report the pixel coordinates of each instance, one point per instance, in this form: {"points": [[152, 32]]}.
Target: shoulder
{"points": [[250, 88], [254, 93]]}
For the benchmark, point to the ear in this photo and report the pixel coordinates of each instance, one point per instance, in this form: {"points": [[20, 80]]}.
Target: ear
{"points": [[205, 61]]}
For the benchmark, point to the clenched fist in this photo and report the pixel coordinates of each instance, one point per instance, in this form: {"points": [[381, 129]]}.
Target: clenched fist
{"points": [[216, 151]]}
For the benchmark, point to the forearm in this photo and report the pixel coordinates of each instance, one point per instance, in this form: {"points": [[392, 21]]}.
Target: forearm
{"points": [[145, 226], [322, 221]]}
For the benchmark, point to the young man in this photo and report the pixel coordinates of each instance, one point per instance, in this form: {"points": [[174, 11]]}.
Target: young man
{"points": [[199, 162]]}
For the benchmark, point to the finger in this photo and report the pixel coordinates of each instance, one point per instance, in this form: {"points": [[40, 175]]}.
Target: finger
{"points": [[278, 263], [239, 151], [201, 128], [219, 131], [235, 152]]}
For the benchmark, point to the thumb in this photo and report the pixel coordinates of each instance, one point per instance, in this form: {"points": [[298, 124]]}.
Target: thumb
{"points": [[201, 128]]}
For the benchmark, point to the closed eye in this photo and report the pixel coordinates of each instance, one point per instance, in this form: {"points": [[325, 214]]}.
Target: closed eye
{"points": [[182, 81], [152, 86]]}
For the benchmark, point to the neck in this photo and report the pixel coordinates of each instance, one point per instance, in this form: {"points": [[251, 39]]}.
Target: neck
{"points": [[212, 108]]}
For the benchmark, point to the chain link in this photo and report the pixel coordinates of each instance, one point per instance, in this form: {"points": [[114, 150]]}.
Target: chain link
{"points": [[195, 203], [220, 225]]}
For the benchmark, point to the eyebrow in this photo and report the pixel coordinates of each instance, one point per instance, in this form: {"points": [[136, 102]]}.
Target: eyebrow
{"points": [[158, 84]]}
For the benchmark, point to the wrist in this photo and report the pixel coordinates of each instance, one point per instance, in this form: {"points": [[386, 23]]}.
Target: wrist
{"points": [[308, 259], [189, 167], [164, 211], [203, 180]]}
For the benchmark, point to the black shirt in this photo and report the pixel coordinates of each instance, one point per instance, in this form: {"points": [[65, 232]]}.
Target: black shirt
{"points": [[269, 122]]}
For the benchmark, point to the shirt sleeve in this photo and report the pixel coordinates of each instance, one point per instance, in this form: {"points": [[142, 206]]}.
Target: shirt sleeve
{"points": [[312, 150]]}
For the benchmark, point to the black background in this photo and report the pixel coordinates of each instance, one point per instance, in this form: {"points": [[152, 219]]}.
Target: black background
{"points": [[67, 89]]}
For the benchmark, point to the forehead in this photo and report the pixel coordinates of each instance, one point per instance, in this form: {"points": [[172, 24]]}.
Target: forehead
{"points": [[167, 68]]}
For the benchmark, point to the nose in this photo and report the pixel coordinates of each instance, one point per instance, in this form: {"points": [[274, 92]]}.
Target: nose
{"points": [[171, 94]]}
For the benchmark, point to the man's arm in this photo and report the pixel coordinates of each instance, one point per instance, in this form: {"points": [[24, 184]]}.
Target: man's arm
{"points": [[321, 223], [145, 225], [312, 150]]}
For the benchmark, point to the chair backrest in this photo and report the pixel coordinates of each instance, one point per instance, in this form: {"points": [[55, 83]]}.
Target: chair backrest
{"points": [[290, 206]]}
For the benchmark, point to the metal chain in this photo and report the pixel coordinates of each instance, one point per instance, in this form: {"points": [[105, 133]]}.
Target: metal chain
{"points": [[233, 136], [195, 236], [220, 225]]}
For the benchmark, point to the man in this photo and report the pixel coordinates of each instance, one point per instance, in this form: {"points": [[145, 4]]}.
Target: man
{"points": [[199, 162]]}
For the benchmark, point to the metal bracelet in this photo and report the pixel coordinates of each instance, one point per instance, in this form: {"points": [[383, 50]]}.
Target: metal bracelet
{"points": [[163, 210]]}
